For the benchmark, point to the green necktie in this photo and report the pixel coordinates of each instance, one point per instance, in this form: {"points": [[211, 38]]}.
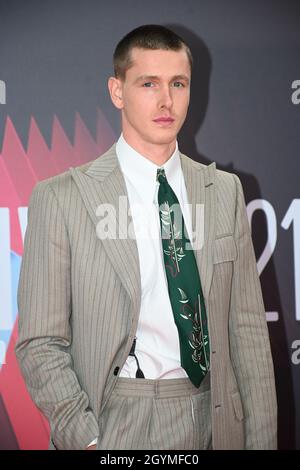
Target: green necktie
{"points": [[184, 285]]}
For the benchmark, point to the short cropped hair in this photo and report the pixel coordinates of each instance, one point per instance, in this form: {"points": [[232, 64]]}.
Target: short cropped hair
{"points": [[150, 36]]}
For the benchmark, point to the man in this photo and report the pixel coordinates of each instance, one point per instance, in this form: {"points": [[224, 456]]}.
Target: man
{"points": [[108, 352]]}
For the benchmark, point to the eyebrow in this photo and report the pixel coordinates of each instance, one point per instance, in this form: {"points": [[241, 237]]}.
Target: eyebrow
{"points": [[156, 77]]}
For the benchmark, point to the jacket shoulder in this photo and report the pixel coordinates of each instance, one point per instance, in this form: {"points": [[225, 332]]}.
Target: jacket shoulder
{"points": [[222, 177], [64, 181], [60, 180]]}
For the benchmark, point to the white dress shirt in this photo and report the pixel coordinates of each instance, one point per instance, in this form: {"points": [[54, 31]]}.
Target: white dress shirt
{"points": [[157, 342]]}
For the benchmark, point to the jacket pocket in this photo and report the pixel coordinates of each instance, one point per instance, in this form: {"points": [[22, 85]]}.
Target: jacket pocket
{"points": [[237, 405], [224, 249]]}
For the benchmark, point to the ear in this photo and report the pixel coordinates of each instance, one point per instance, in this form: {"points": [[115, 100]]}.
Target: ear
{"points": [[116, 91]]}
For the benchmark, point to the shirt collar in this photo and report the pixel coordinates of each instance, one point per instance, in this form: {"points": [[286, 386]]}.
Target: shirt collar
{"points": [[141, 172]]}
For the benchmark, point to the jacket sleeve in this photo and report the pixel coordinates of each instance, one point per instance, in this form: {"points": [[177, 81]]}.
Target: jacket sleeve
{"points": [[45, 335], [249, 339]]}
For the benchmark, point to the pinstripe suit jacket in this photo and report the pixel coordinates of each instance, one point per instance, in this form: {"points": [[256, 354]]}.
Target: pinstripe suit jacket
{"points": [[79, 301]]}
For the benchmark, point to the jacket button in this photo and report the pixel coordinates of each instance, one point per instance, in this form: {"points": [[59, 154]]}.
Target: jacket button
{"points": [[116, 370]]}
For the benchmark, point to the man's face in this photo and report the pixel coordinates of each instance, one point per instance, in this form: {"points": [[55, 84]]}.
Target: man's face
{"points": [[154, 96]]}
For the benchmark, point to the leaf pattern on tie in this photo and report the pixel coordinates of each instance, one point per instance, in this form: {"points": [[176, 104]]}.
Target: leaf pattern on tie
{"points": [[170, 231], [197, 340]]}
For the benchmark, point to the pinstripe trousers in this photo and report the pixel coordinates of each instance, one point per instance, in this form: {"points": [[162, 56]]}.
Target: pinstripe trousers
{"points": [[160, 414]]}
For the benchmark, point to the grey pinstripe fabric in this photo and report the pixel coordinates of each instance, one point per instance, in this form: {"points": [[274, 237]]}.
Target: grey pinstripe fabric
{"points": [[79, 300], [156, 414]]}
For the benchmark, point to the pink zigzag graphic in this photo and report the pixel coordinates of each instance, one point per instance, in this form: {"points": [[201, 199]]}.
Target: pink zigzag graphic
{"points": [[19, 172]]}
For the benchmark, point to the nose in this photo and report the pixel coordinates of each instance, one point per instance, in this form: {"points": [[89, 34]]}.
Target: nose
{"points": [[166, 99]]}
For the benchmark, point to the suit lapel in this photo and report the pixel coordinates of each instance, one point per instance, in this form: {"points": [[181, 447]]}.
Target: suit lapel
{"points": [[200, 185], [103, 183]]}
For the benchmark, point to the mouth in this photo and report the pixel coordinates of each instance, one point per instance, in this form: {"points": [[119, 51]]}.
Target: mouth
{"points": [[164, 120]]}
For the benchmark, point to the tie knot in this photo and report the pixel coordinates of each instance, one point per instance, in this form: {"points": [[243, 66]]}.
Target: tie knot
{"points": [[160, 175]]}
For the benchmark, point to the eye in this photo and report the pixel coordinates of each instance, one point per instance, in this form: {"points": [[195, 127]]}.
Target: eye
{"points": [[178, 85], [148, 84]]}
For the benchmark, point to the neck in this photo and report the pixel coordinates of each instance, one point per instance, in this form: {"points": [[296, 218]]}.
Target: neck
{"points": [[156, 153]]}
